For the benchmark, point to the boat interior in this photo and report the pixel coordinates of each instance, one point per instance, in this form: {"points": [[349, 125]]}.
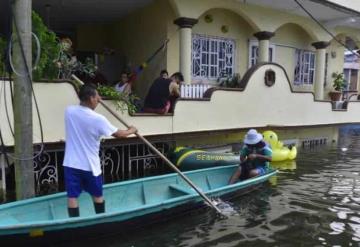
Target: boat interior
{"points": [[120, 197]]}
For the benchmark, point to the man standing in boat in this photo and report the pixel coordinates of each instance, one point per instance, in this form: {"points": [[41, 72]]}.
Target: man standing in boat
{"points": [[254, 156], [84, 129]]}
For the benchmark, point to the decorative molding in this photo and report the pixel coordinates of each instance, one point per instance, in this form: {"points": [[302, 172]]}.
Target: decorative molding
{"points": [[208, 18], [184, 22], [320, 44], [224, 28], [264, 35], [270, 77]]}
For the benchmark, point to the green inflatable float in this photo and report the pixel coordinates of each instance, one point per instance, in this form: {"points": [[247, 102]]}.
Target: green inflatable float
{"points": [[190, 159]]}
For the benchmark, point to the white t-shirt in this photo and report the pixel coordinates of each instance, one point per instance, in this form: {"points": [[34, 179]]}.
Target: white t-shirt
{"points": [[84, 129], [124, 88]]}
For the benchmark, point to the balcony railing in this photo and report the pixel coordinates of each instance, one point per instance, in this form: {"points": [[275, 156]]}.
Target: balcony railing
{"points": [[193, 91]]}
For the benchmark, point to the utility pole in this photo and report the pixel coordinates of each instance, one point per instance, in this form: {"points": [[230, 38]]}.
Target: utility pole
{"points": [[22, 60]]}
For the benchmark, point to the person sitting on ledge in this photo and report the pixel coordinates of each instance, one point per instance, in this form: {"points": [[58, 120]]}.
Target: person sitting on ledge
{"points": [[124, 85], [162, 94], [254, 157], [164, 74]]}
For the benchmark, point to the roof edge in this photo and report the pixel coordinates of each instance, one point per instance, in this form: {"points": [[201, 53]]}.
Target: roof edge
{"points": [[337, 6]]}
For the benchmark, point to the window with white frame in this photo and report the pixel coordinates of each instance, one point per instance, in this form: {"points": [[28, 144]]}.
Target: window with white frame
{"points": [[212, 57], [254, 52], [304, 67]]}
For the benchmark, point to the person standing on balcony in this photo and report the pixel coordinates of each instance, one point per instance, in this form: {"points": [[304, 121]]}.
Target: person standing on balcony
{"points": [[83, 131], [254, 156], [163, 94]]}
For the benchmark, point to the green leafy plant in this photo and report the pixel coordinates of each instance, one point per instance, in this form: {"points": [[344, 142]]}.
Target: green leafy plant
{"points": [[339, 82], [56, 60], [122, 100], [68, 64], [46, 68], [49, 50], [230, 81], [2, 55]]}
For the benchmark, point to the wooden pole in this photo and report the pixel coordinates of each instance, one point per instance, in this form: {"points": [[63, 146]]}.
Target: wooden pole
{"points": [[167, 161], [21, 57]]}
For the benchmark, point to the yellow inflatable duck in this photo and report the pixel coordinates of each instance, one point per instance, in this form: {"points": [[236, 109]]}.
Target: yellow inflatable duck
{"points": [[280, 152]]}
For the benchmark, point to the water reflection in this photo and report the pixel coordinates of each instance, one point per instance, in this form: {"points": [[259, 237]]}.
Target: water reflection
{"points": [[286, 165]]}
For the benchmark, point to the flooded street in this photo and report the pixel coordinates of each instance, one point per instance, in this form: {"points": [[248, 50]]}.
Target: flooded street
{"points": [[313, 202]]}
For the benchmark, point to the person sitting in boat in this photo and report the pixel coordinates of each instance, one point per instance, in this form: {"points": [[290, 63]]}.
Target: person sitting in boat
{"points": [[255, 156], [83, 131], [162, 94]]}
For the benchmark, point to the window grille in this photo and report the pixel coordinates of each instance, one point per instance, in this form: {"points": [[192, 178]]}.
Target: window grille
{"points": [[212, 57], [304, 67]]}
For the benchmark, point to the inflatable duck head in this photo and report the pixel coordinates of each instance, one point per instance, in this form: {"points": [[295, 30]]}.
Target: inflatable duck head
{"points": [[272, 138]]}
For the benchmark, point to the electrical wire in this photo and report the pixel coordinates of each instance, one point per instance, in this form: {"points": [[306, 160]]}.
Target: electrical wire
{"points": [[324, 28], [36, 60], [33, 92]]}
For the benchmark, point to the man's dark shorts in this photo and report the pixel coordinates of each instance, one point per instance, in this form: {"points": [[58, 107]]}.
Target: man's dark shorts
{"points": [[78, 180]]}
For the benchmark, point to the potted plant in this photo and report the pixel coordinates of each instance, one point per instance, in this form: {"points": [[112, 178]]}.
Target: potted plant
{"points": [[229, 81], [339, 83]]}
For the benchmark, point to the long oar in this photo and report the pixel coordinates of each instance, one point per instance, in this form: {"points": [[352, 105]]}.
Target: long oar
{"points": [[158, 153]]}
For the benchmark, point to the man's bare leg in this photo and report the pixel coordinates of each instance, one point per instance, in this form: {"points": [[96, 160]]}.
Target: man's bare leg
{"points": [[235, 177]]}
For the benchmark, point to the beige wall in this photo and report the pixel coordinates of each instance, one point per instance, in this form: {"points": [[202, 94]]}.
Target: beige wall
{"points": [[259, 18], [223, 139], [226, 110], [277, 106], [335, 62], [288, 38], [92, 37]]}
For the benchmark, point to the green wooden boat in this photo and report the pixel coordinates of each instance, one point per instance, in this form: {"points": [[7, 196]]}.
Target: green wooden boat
{"points": [[45, 218]]}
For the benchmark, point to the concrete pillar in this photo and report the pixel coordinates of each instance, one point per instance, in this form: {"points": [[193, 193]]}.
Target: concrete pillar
{"points": [[320, 68], [185, 25], [264, 44]]}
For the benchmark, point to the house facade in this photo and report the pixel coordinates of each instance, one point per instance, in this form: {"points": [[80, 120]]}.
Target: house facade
{"points": [[284, 57], [210, 39]]}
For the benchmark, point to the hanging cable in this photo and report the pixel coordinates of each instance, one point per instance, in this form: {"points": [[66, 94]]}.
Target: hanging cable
{"points": [[324, 28], [142, 66], [38, 52], [33, 92]]}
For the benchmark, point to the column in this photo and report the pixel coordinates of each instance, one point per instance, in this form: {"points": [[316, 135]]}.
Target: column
{"points": [[185, 25], [320, 68], [264, 43]]}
